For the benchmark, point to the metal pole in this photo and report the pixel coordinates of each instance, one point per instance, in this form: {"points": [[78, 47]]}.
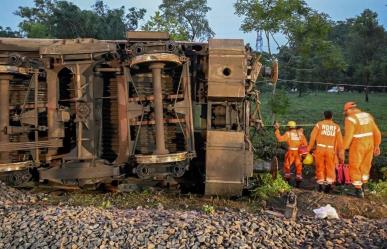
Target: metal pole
{"points": [[158, 109]]}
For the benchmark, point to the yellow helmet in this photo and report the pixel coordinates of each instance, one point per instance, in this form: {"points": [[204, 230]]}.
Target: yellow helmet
{"points": [[292, 124], [308, 159]]}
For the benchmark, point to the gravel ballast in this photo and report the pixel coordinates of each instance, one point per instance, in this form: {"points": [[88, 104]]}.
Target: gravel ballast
{"points": [[27, 223]]}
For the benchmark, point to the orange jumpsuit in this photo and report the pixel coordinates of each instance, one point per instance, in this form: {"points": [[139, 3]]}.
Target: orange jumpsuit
{"points": [[362, 135], [329, 143], [294, 139]]}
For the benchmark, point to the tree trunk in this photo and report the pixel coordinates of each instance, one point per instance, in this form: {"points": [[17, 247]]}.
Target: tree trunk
{"points": [[366, 94], [366, 89]]}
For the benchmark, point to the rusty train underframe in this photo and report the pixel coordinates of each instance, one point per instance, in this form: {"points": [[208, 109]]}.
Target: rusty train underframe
{"points": [[83, 112]]}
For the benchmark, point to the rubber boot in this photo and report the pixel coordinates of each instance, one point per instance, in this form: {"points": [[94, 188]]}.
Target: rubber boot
{"points": [[328, 188], [287, 180], [298, 183], [320, 188], [359, 193]]}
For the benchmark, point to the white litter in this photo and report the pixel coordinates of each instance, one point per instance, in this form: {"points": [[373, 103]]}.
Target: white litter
{"points": [[326, 212]]}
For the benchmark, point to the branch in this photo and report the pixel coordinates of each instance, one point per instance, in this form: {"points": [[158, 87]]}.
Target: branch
{"points": [[268, 41]]}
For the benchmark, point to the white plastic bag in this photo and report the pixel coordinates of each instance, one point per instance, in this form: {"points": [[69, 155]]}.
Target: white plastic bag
{"points": [[326, 212]]}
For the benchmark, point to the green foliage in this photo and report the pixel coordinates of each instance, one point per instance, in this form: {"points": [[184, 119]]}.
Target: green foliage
{"points": [[268, 15], [351, 51], [8, 32], [279, 103], [106, 204], [269, 188], [159, 22], [271, 16], [190, 15], [63, 19], [265, 144], [379, 188], [208, 209]]}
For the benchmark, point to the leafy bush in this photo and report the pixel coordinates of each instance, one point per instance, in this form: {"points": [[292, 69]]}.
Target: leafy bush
{"points": [[264, 143], [379, 167], [270, 188], [379, 188], [208, 209], [106, 204]]}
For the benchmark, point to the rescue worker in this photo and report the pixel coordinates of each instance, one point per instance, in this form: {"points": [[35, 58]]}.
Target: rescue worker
{"points": [[362, 137], [294, 140], [327, 136]]}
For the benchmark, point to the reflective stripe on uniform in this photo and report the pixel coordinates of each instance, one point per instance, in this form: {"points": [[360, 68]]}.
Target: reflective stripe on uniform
{"points": [[365, 177], [293, 148], [360, 135], [325, 146], [330, 180], [299, 176], [357, 183], [352, 120]]}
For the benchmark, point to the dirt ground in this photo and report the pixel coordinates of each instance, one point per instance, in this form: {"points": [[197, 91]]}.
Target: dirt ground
{"points": [[307, 198], [341, 197]]}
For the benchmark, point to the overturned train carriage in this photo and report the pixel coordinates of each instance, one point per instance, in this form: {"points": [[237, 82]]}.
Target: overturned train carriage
{"points": [[84, 111]]}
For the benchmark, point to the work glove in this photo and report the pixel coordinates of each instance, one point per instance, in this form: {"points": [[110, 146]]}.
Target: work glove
{"points": [[276, 125], [377, 151]]}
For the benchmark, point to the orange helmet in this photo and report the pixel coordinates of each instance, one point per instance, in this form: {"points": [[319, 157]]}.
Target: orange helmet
{"points": [[349, 105]]}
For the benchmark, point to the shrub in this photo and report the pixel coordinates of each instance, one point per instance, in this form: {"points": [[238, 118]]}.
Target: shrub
{"points": [[379, 188], [264, 143], [208, 209], [270, 188]]}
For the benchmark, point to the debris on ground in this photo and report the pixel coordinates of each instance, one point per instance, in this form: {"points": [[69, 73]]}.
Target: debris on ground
{"points": [[326, 212]]}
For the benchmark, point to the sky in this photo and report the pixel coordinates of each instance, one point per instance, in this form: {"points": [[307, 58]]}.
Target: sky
{"points": [[221, 17]]}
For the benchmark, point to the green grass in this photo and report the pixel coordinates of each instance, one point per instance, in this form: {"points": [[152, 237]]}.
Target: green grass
{"points": [[309, 109]]}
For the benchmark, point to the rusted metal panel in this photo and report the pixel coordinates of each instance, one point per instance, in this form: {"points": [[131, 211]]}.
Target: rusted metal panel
{"points": [[78, 171], [225, 163], [4, 112], [226, 69], [77, 46], [123, 130], [147, 36], [155, 58], [23, 45]]}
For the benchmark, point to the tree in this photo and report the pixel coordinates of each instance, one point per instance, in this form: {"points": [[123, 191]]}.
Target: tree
{"points": [[366, 46], [191, 15], [63, 19], [308, 52], [170, 25], [269, 16], [8, 32]]}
